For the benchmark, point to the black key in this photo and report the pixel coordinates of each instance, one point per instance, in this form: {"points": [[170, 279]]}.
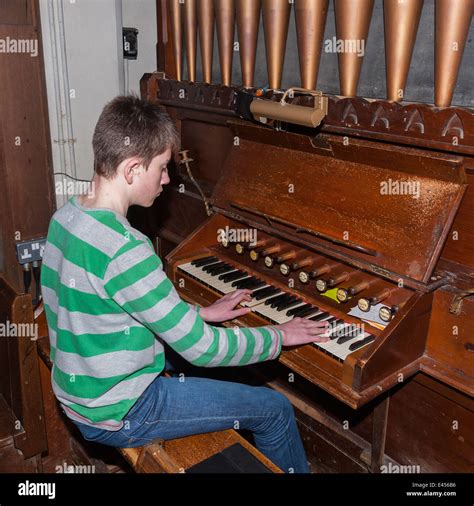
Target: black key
{"points": [[285, 298], [362, 342], [245, 283], [265, 292], [277, 298], [337, 322], [232, 276], [208, 268], [286, 304], [337, 330], [230, 269], [289, 303], [331, 320], [350, 332], [255, 284], [296, 310], [199, 262], [238, 283], [306, 312], [221, 270], [319, 316], [211, 269]]}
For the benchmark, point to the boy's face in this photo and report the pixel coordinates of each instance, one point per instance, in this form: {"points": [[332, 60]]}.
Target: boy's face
{"points": [[149, 183]]}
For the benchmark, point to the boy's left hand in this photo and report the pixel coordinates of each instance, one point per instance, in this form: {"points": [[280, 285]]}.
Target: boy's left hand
{"points": [[224, 308]]}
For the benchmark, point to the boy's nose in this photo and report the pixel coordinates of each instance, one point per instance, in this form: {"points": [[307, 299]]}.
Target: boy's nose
{"points": [[165, 178]]}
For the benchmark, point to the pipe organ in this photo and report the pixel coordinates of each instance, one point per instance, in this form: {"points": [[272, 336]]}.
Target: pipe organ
{"points": [[452, 22], [364, 221]]}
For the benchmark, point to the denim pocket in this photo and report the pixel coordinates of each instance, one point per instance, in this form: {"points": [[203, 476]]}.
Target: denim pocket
{"points": [[147, 408]]}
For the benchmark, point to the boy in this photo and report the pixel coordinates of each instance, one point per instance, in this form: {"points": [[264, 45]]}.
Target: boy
{"points": [[110, 307]]}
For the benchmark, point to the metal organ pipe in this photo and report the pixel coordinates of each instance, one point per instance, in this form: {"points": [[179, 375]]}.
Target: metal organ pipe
{"points": [[352, 25], [276, 17], [248, 19], [453, 19], [401, 21], [205, 13], [177, 36], [225, 19], [310, 23]]}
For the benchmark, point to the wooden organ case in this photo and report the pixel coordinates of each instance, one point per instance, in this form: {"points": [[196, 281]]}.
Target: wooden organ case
{"points": [[365, 221]]}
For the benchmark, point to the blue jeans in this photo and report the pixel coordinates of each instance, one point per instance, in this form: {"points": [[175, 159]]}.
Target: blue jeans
{"points": [[173, 407]]}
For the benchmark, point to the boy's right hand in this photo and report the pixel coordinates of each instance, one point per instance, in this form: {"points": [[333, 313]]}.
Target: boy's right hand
{"points": [[302, 331]]}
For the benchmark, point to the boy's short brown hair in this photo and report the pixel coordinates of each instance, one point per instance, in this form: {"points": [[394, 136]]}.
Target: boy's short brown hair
{"points": [[129, 127]]}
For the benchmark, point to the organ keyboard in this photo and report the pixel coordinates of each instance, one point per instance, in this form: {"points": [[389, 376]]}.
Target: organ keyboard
{"points": [[278, 306]]}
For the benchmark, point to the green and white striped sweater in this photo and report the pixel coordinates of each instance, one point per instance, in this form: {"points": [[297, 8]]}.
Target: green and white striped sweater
{"points": [[110, 306]]}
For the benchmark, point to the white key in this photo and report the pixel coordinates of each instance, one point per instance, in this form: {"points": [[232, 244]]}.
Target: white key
{"points": [[269, 312], [206, 278], [341, 350]]}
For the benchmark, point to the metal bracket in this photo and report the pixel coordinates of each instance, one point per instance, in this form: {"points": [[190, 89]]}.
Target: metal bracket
{"points": [[456, 304]]}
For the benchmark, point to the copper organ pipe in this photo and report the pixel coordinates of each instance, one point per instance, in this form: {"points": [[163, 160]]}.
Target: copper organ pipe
{"points": [[276, 17], [453, 18], [401, 21], [352, 27], [248, 19], [310, 23], [177, 36], [205, 12], [225, 19], [190, 33]]}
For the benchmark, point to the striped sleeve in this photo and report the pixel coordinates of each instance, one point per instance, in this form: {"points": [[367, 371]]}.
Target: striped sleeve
{"points": [[136, 281]]}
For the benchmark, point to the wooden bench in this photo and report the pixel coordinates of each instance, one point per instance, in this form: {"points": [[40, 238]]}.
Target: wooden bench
{"points": [[173, 456]]}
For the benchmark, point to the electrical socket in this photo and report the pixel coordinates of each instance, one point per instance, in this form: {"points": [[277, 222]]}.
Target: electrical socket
{"points": [[30, 251]]}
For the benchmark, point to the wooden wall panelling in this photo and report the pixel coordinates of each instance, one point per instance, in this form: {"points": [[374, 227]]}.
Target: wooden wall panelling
{"points": [[25, 158], [449, 354], [421, 429]]}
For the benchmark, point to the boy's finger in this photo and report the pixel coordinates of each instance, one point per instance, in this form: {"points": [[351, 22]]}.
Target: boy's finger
{"points": [[320, 339], [240, 312]]}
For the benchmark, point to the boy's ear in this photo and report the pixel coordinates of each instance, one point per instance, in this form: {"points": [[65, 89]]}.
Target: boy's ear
{"points": [[130, 168]]}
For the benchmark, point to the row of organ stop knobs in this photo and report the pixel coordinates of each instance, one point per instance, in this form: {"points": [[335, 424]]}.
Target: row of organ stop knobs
{"points": [[324, 272]]}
